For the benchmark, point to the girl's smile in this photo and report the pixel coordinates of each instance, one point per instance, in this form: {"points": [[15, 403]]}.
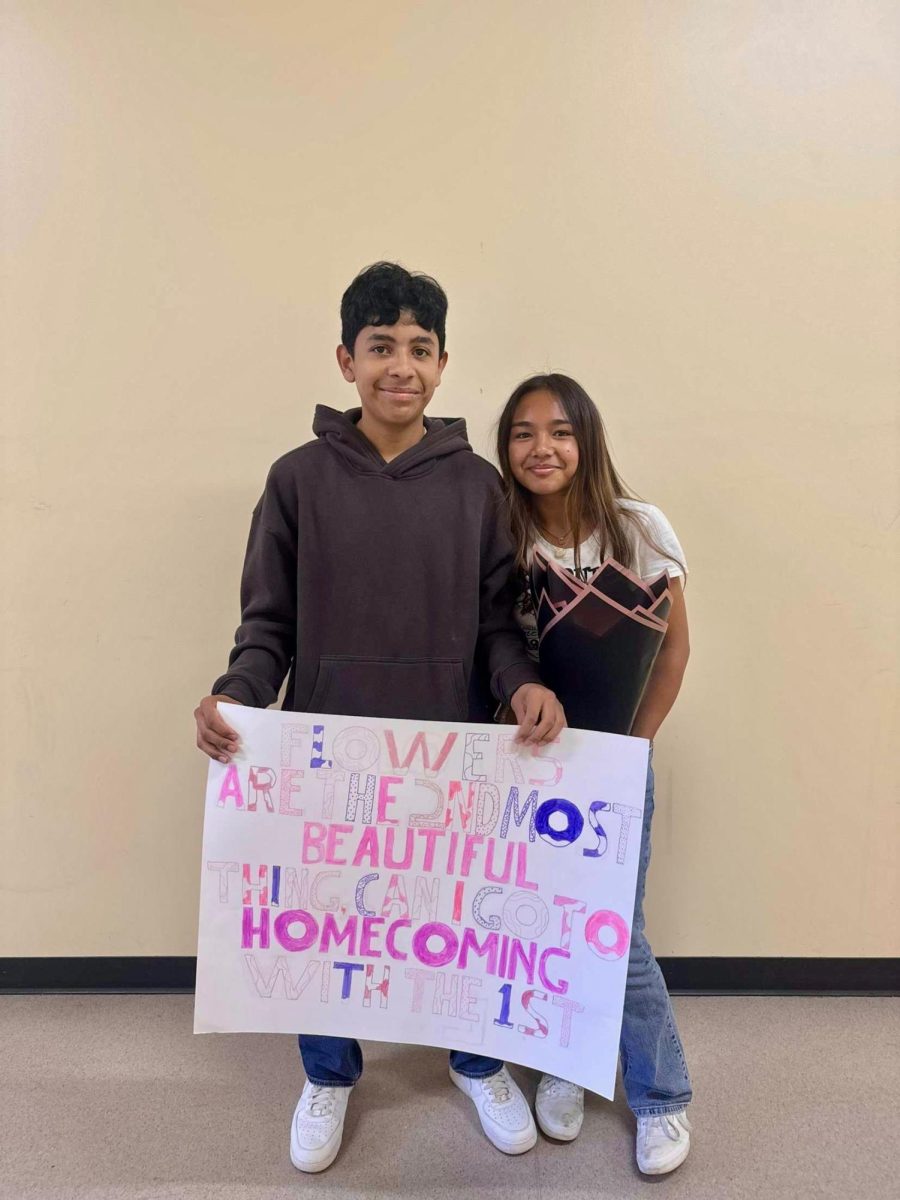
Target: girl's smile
{"points": [[543, 452]]}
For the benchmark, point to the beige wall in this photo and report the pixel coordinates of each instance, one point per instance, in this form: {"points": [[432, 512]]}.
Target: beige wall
{"points": [[690, 206]]}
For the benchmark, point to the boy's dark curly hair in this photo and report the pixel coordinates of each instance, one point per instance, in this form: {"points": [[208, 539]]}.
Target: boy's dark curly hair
{"points": [[379, 294]]}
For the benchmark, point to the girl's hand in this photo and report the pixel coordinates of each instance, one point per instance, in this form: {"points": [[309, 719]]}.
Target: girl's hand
{"points": [[539, 714]]}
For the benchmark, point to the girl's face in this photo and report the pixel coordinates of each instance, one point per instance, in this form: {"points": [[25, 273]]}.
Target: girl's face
{"points": [[543, 452]]}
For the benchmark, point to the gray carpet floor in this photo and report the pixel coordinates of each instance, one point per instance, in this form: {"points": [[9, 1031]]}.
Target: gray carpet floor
{"points": [[108, 1097]]}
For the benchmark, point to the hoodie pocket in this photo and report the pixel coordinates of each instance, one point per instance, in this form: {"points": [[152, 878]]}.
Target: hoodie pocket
{"points": [[429, 689]]}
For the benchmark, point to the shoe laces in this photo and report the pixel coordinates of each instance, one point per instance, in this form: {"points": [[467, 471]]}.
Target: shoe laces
{"points": [[320, 1102], [554, 1086], [666, 1124], [499, 1085]]}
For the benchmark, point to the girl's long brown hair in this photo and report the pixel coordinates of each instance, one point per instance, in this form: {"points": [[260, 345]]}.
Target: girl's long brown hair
{"points": [[592, 506]]}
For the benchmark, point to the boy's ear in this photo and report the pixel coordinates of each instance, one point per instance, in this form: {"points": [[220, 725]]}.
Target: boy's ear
{"points": [[345, 362], [442, 362]]}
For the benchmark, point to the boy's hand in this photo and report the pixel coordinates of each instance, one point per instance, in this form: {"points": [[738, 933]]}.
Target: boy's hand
{"points": [[539, 714], [214, 736]]}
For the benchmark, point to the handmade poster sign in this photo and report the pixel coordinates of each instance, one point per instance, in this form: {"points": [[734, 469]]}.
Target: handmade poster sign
{"points": [[422, 882]]}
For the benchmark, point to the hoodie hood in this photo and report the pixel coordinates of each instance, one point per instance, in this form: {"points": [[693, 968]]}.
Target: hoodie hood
{"points": [[341, 432]]}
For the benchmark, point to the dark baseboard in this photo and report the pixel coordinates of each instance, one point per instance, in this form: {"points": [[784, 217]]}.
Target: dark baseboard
{"points": [[152, 974], [786, 976], [730, 976]]}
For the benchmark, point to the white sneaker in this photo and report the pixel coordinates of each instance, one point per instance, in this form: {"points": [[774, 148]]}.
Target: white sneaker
{"points": [[318, 1126], [663, 1142], [560, 1108], [502, 1109]]}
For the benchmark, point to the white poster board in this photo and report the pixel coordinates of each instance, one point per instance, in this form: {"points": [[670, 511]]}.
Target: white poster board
{"points": [[422, 882]]}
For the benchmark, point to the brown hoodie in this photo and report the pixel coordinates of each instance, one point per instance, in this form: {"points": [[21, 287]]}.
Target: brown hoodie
{"points": [[374, 583]]}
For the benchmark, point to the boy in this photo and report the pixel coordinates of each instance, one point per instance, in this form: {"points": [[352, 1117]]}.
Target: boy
{"points": [[378, 562]]}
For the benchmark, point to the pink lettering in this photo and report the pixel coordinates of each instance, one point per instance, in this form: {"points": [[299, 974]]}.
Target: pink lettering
{"points": [[391, 939], [486, 949], [470, 850], [522, 879], [249, 930], [419, 745], [333, 935], [569, 907], [604, 918], [386, 797], [262, 780], [435, 958], [296, 916], [464, 807], [371, 931], [542, 1028], [336, 835], [231, 789], [395, 898], [367, 849], [390, 855], [382, 988], [560, 988], [430, 836], [314, 835]]}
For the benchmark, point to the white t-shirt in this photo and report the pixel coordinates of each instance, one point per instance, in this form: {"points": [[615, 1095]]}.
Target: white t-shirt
{"points": [[647, 561]]}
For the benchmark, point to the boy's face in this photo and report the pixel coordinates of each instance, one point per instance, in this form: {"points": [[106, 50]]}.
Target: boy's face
{"points": [[395, 368]]}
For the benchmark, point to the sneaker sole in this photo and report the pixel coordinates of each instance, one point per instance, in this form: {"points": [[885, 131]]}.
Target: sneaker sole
{"points": [[664, 1170], [565, 1136], [313, 1168], [503, 1147]]}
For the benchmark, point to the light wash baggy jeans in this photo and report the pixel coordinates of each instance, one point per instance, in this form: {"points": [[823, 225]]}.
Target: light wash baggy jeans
{"points": [[654, 1072]]}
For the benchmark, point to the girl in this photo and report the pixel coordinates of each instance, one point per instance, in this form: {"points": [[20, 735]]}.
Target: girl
{"points": [[565, 495]]}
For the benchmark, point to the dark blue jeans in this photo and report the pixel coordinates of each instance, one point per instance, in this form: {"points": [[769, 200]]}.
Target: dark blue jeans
{"points": [[337, 1061]]}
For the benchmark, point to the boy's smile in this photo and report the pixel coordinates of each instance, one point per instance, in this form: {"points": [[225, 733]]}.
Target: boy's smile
{"points": [[396, 369]]}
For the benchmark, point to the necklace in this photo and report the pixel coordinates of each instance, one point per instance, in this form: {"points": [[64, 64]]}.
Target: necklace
{"points": [[558, 542]]}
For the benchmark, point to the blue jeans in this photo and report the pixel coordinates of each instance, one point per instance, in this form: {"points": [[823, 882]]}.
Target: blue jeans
{"points": [[337, 1061], [654, 1072]]}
